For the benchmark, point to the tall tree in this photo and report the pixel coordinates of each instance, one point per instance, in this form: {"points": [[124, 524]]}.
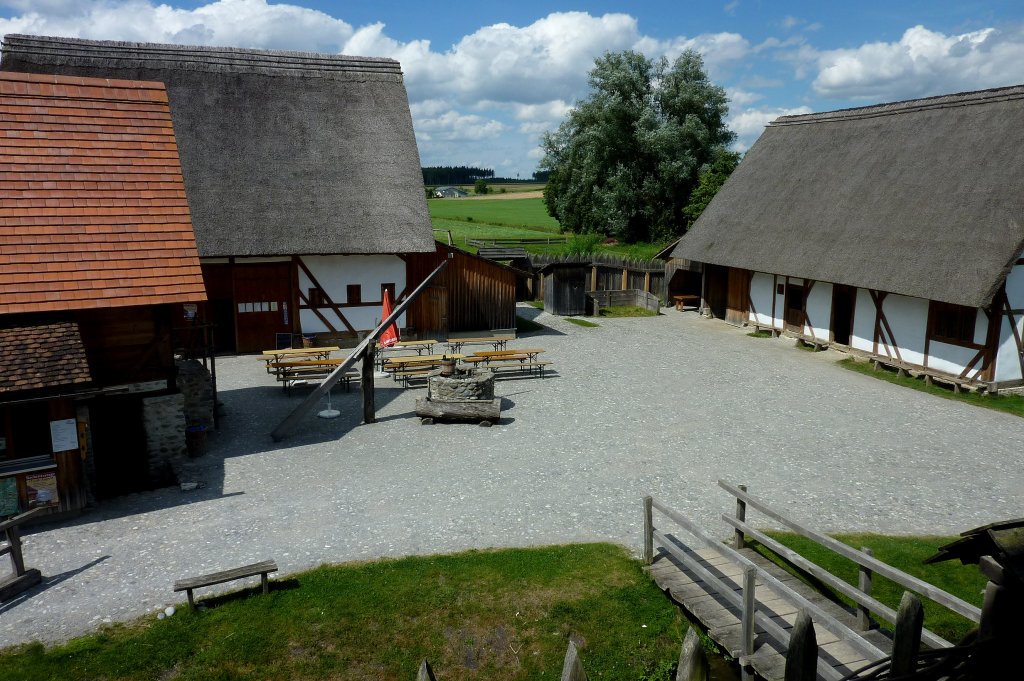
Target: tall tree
{"points": [[627, 158]]}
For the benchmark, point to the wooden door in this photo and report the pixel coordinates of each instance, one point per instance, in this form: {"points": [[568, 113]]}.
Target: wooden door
{"points": [[794, 308], [738, 304], [435, 313], [263, 295], [716, 289]]}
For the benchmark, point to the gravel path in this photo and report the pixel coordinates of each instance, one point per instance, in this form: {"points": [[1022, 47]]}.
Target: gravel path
{"points": [[665, 405]]}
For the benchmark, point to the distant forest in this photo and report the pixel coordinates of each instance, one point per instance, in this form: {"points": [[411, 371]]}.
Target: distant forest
{"points": [[442, 175], [455, 174]]}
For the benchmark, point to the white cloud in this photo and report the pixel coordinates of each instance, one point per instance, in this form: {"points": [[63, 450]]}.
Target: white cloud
{"points": [[739, 97], [922, 63], [749, 123], [453, 126]]}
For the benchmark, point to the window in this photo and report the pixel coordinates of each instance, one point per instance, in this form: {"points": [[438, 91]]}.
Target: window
{"points": [[354, 293], [390, 288], [953, 323], [315, 297]]}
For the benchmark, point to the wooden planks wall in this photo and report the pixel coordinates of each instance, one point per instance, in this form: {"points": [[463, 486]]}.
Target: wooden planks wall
{"points": [[481, 295]]}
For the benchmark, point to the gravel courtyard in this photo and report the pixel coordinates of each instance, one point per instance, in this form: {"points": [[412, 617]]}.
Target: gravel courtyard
{"points": [[665, 405]]}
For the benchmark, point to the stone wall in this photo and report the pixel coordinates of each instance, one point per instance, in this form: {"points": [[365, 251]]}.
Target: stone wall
{"points": [[164, 419], [196, 385]]}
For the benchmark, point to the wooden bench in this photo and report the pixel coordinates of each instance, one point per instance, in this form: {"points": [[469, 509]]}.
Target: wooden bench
{"points": [[681, 300], [408, 374], [524, 365], [262, 569]]}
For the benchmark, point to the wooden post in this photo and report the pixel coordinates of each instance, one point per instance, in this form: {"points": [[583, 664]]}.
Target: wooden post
{"points": [[693, 663], [741, 514], [906, 640], [802, 652], [648, 531], [625, 278], [425, 673], [593, 278], [647, 282], [366, 382], [864, 584], [572, 668], [749, 614]]}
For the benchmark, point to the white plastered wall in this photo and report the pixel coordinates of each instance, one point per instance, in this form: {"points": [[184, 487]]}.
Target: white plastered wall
{"points": [[819, 311], [1007, 360], [335, 273], [762, 291]]}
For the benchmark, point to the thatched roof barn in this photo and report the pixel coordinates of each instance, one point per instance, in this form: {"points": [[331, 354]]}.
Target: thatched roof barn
{"points": [[283, 152], [922, 199]]}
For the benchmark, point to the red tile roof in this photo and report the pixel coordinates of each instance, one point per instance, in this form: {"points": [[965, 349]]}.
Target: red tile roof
{"points": [[94, 211], [42, 356]]}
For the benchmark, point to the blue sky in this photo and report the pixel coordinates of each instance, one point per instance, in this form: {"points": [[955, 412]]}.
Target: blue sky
{"points": [[485, 80]]}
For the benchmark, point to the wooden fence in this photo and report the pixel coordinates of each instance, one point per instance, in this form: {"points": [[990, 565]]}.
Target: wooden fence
{"points": [[608, 273], [629, 297], [529, 241]]}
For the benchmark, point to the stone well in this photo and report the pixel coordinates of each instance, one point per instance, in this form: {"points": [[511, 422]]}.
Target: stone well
{"points": [[462, 386]]}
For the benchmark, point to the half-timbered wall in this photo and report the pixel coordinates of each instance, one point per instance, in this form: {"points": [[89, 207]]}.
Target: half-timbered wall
{"points": [[762, 300], [818, 311], [1010, 354], [334, 274]]}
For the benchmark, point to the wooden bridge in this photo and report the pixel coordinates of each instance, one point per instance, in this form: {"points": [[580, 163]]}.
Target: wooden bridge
{"points": [[749, 605]]}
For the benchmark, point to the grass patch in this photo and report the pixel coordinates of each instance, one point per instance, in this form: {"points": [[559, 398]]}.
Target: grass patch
{"points": [[536, 304], [626, 311], [760, 333], [906, 554], [477, 615], [524, 325], [581, 322], [499, 212], [1011, 404]]}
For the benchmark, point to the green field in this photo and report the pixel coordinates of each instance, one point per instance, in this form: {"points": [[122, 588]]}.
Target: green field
{"points": [[530, 213]]}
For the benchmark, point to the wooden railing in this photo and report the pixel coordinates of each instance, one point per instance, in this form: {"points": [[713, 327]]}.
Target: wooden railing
{"points": [[21, 578], [868, 566]]}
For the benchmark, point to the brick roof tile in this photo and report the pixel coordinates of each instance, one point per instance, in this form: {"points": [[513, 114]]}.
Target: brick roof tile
{"points": [[42, 356], [94, 211]]}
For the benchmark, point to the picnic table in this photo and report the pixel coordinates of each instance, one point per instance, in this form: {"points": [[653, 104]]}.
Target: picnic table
{"points": [[498, 342], [270, 356], [682, 301], [420, 346], [523, 359], [289, 372], [412, 366]]}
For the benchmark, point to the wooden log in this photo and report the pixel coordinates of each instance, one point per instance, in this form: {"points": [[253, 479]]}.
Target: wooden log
{"points": [[693, 662], [16, 584], [741, 515], [749, 615], [864, 584], [572, 668], [425, 673], [648, 531], [470, 411], [366, 381], [906, 641], [802, 652]]}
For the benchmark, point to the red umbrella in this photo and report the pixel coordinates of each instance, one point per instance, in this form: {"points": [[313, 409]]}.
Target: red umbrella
{"points": [[390, 335]]}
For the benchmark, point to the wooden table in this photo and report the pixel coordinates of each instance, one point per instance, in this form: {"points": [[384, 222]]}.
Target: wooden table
{"points": [[288, 372], [270, 356], [415, 365], [420, 346], [682, 300], [526, 358], [455, 344]]}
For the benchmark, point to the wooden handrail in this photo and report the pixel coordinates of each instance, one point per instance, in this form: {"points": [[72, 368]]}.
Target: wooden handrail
{"points": [[827, 621], [919, 586], [19, 519]]}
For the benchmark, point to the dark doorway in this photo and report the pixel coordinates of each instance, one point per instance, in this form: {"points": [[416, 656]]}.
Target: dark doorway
{"points": [[738, 307], [795, 314], [220, 308], [844, 299], [119, 446], [716, 289]]}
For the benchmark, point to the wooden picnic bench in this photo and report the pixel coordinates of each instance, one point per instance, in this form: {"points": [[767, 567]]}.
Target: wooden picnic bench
{"points": [[521, 359], [411, 366], [270, 356], [290, 372], [262, 569], [498, 342], [682, 300]]}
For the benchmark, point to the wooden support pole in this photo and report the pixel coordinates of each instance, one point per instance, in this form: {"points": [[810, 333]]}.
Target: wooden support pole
{"points": [[366, 382], [864, 584], [14, 541], [693, 662], [647, 282], [572, 668], [593, 278], [906, 640], [802, 652], [749, 614], [741, 515], [648, 531], [625, 278]]}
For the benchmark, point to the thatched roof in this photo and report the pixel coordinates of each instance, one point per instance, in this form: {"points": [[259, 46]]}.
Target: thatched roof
{"points": [[283, 152], [924, 198]]}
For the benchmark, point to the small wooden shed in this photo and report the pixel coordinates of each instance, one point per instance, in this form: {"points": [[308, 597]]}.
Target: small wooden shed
{"points": [[565, 287]]}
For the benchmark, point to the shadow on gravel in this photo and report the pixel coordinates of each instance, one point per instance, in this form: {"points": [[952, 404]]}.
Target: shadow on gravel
{"points": [[47, 583]]}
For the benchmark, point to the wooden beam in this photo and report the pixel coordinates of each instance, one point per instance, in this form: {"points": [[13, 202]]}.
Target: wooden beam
{"points": [[327, 298], [307, 405], [316, 311]]}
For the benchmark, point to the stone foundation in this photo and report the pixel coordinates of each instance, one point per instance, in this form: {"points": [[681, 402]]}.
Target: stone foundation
{"points": [[461, 387], [196, 385], [164, 420]]}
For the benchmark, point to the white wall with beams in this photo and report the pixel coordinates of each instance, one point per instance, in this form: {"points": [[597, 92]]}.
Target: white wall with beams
{"points": [[335, 273]]}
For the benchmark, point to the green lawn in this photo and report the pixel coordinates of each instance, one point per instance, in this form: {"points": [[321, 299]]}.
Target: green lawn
{"points": [[906, 554], [626, 311], [1011, 404], [529, 213], [479, 615]]}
